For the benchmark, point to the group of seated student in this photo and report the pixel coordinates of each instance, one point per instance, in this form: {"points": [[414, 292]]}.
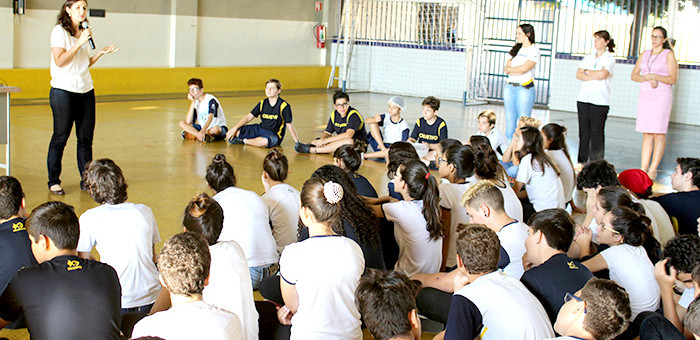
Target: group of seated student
{"points": [[459, 245]]}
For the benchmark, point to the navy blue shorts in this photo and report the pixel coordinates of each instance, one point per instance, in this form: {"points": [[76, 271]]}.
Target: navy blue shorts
{"points": [[220, 136], [374, 144], [255, 131]]}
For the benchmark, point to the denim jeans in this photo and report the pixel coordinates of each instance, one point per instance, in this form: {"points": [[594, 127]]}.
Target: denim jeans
{"points": [[68, 108], [257, 274], [518, 102]]}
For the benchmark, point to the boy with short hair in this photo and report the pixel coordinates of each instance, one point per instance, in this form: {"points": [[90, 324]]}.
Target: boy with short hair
{"points": [[64, 296], [487, 128], [184, 271], [275, 118], [205, 120], [124, 234], [395, 128], [599, 311], [345, 122], [682, 206], [387, 302], [430, 129]]}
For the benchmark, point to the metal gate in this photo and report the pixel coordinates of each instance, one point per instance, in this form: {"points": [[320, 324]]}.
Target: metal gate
{"points": [[501, 18]]}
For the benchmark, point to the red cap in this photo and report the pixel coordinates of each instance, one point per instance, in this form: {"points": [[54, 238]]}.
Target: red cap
{"points": [[635, 180]]}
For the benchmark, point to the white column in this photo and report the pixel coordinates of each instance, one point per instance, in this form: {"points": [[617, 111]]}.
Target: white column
{"points": [[183, 33], [7, 38]]}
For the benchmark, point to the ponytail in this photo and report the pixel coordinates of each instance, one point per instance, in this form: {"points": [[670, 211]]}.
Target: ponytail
{"points": [[322, 198], [462, 157], [532, 144], [423, 186], [220, 174], [635, 230], [605, 35], [276, 165], [204, 216], [350, 155]]}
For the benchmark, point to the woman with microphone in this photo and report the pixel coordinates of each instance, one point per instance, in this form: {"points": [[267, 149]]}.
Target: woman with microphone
{"points": [[72, 97]]}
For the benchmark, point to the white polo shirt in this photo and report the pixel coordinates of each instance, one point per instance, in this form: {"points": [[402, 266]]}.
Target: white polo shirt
{"points": [[531, 53], [543, 186], [631, 268], [74, 76], [596, 91]]}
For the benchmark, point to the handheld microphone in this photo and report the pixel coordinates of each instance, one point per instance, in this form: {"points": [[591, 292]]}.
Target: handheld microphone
{"points": [[84, 25]]}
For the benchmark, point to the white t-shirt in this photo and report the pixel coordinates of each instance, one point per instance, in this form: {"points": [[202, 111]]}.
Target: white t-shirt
{"points": [[543, 188], [192, 320], [325, 271], [247, 222], [531, 53], [512, 237], [597, 91], [511, 202], [209, 105], [124, 235], [450, 195], [508, 309], [282, 202], [630, 267], [496, 139], [661, 224], [567, 175], [74, 76], [394, 132], [417, 252], [229, 286]]}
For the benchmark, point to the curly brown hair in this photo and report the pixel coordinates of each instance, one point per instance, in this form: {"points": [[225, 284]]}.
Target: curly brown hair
{"points": [[105, 181], [184, 263]]}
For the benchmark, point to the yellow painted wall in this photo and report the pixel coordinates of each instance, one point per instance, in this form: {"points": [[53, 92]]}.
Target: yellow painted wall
{"points": [[130, 81]]}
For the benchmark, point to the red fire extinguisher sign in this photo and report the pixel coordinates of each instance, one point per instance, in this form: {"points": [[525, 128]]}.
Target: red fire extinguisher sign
{"points": [[317, 6], [320, 33]]}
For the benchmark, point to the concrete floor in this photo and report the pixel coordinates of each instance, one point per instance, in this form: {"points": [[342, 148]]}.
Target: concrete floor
{"points": [[141, 135]]}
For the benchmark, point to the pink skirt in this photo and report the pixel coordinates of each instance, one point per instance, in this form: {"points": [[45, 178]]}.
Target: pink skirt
{"points": [[654, 108]]}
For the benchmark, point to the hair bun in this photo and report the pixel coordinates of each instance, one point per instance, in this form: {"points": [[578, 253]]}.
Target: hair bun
{"points": [[333, 192], [219, 159]]}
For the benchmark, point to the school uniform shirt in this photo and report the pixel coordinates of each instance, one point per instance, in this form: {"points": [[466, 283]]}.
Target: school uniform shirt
{"points": [[498, 141], [353, 120], [597, 91], [273, 118], [124, 235], [550, 281], [192, 320], [431, 134], [511, 202], [363, 186], [393, 132], [567, 175], [450, 195], [512, 237], [496, 306], [325, 271], [630, 267], [74, 76], [417, 252], [531, 53], [229, 286], [373, 254], [687, 297], [282, 201], [246, 221], [544, 188], [209, 105], [682, 208], [65, 298], [15, 249]]}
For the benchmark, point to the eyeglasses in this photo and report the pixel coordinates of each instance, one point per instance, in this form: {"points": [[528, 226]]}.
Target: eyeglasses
{"points": [[194, 89], [440, 160], [570, 296], [653, 36], [610, 229], [342, 104]]}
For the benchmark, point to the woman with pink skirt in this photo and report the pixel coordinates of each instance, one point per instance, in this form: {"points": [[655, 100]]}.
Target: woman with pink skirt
{"points": [[656, 70]]}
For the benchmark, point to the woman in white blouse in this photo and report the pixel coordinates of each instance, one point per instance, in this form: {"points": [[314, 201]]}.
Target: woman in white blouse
{"points": [[72, 97], [519, 90], [596, 72]]}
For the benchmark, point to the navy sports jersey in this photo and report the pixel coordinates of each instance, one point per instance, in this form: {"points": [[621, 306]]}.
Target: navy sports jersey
{"points": [[551, 280], [353, 120], [15, 250], [364, 187], [431, 134], [65, 298], [682, 208], [273, 118]]}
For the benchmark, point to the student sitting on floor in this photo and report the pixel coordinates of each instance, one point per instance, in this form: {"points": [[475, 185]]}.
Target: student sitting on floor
{"points": [[345, 121], [184, 270], [387, 302], [64, 296], [692, 319], [488, 303], [487, 167], [683, 206], [318, 292], [275, 118], [598, 311], [554, 141], [282, 199], [349, 158], [246, 219], [510, 159], [205, 120], [549, 273], [124, 234], [399, 153], [429, 130], [416, 219], [487, 128], [395, 128]]}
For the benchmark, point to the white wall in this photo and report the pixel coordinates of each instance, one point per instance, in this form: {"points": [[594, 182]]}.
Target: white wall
{"points": [[624, 92]]}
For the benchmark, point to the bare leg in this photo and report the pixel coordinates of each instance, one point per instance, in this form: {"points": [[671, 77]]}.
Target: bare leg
{"points": [[659, 147], [378, 154], [330, 147], [257, 141], [647, 147], [215, 131], [188, 128]]}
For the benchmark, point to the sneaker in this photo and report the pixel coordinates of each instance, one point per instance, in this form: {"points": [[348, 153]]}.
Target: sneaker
{"points": [[302, 147], [208, 138], [186, 135], [236, 140]]}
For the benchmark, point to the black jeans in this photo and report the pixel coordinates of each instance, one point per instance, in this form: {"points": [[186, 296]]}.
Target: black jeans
{"points": [[69, 107], [591, 131]]}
